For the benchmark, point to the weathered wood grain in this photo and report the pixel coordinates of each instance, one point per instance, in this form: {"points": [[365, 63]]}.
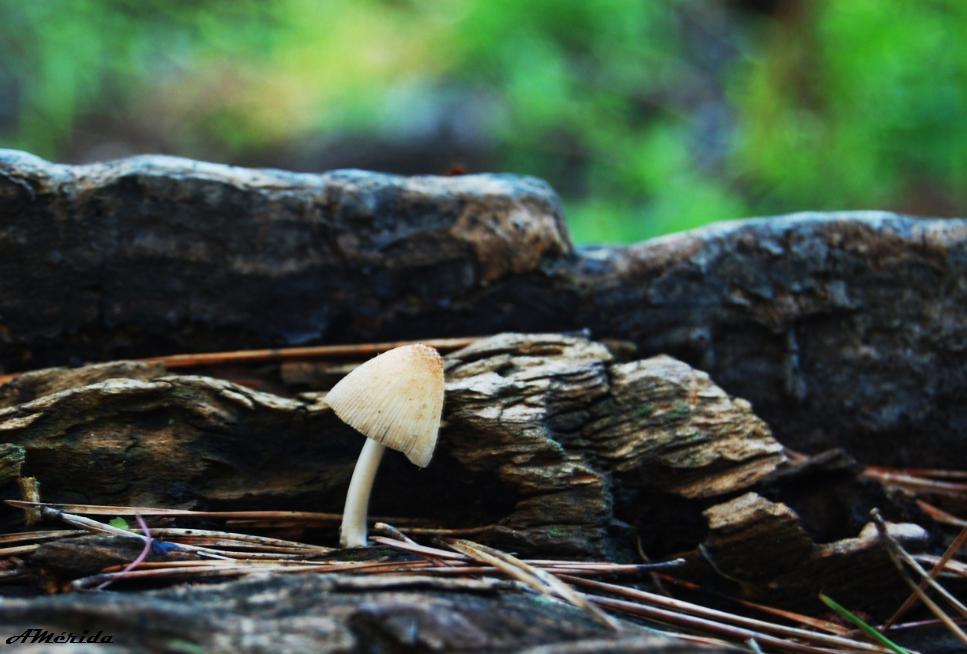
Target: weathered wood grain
{"points": [[332, 613], [845, 329], [551, 445]]}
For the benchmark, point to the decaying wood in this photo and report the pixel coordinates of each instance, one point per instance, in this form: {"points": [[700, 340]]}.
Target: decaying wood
{"points": [[11, 461], [843, 330], [332, 613], [38, 383], [88, 555], [550, 444], [763, 548]]}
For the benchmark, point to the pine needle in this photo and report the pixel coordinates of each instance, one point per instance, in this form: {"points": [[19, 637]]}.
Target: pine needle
{"points": [[104, 509], [937, 568], [755, 626], [540, 580], [894, 549], [848, 615]]}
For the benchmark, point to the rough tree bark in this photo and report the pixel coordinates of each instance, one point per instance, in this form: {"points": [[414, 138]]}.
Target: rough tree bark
{"points": [[844, 329], [333, 613]]}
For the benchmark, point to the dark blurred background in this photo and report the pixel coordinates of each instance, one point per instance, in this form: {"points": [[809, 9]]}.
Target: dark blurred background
{"points": [[647, 116]]}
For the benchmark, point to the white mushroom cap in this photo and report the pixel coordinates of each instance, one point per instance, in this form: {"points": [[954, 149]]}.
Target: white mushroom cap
{"points": [[396, 399]]}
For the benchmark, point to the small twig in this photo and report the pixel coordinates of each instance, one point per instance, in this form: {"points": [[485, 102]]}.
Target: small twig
{"points": [[421, 550], [141, 557], [174, 361], [892, 548], [920, 472], [540, 580], [393, 532], [458, 531], [918, 624], [950, 569], [222, 562], [910, 561], [940, 515], [571, 567], [947, 555], [754, 625], [19, 549], [104, 509], [239, 541], [655, 577], [357, 350], [918, 483], [50, 513], [704, 625], [815, 623], [31, 536], [608, 567]]}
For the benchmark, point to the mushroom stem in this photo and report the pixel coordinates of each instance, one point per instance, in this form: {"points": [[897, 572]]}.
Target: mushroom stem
{"points": [[353, 530]]}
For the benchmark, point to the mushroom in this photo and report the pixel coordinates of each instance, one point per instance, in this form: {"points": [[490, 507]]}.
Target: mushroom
{"points": [[395, 400]]}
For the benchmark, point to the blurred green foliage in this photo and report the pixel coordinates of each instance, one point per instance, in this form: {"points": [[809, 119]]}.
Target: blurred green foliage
{"points": [[648, 117]]}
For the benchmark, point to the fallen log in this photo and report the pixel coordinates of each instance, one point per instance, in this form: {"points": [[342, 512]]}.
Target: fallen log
{"points": [[551, 446], [843, 329]]}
